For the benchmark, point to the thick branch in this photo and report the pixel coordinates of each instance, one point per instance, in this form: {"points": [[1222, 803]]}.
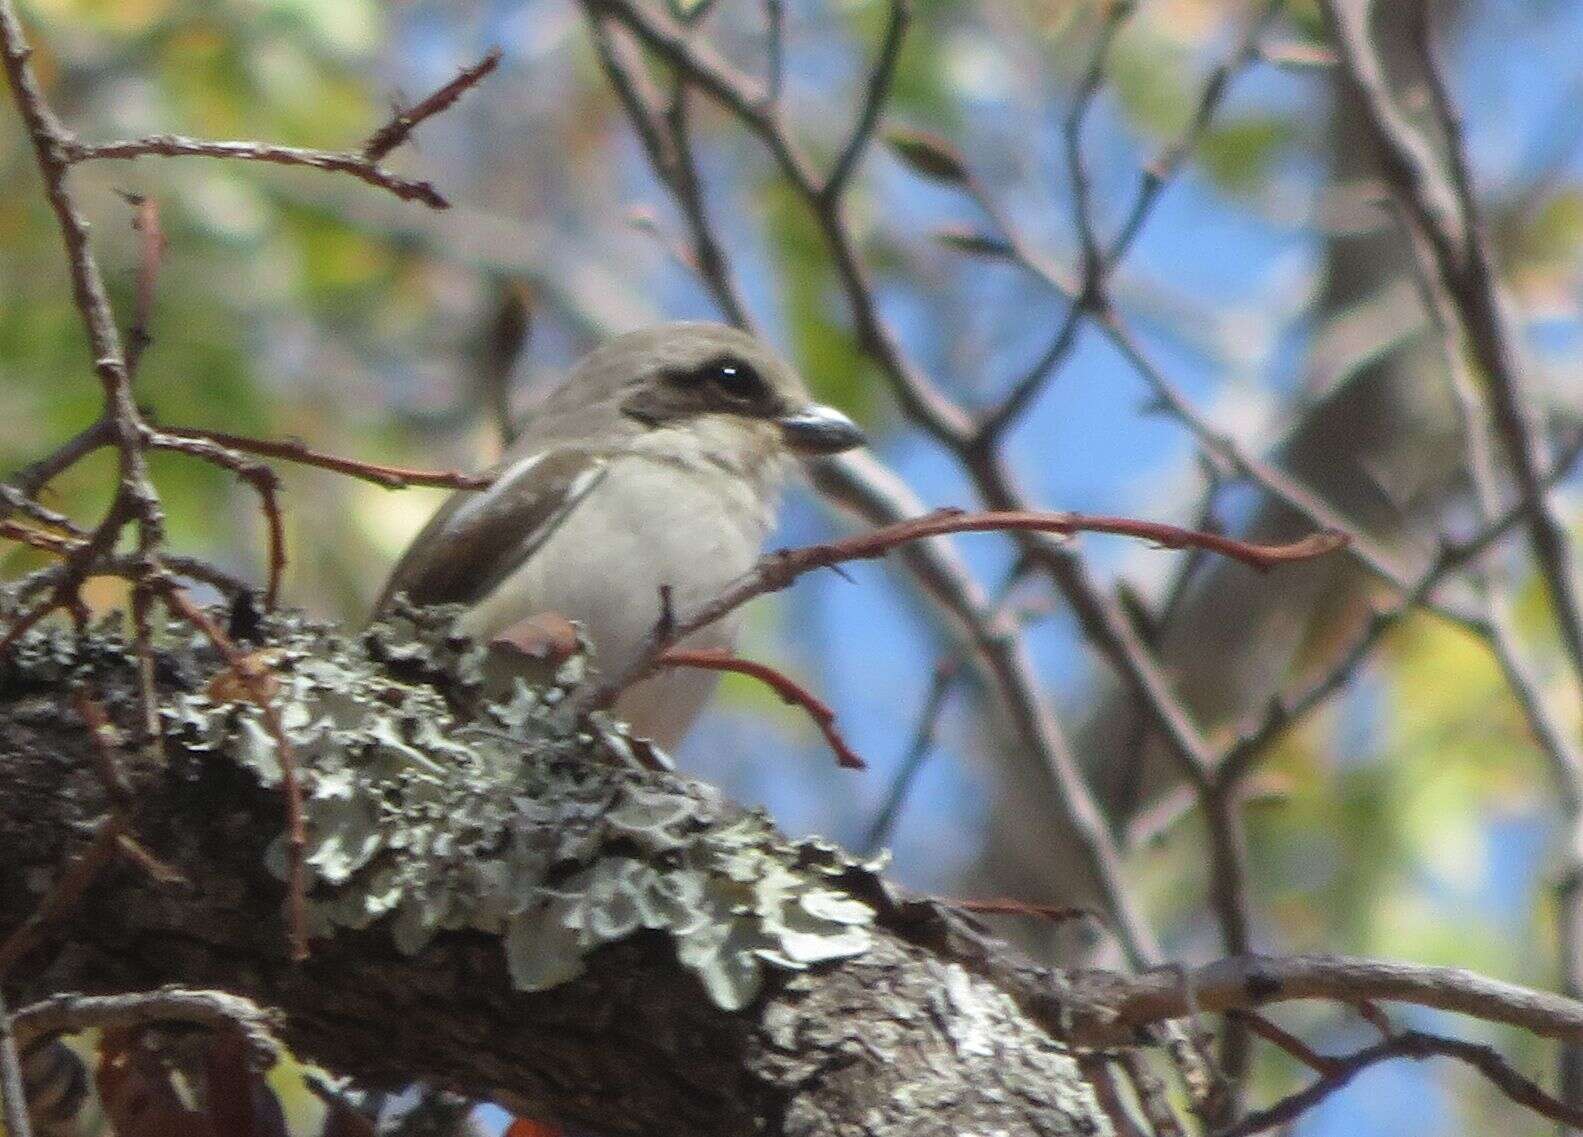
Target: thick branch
{"points": [[919, 1025], [634, 1044]]}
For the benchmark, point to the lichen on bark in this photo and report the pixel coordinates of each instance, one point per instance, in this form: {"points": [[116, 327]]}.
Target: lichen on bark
{"points": [[432, 808]]}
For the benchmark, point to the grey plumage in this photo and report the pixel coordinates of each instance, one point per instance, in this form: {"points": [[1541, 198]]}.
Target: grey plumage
{"points": [[657, 463]]}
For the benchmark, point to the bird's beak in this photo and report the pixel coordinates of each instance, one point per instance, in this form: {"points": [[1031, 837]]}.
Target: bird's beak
{"points": [[818, 429]]}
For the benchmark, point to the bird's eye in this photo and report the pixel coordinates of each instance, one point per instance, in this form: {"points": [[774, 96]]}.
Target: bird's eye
{"points": [[734, 379]]}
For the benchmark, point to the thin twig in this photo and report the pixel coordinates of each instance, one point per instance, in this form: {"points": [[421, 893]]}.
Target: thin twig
{"points": [[778, 570], [237, 150], [146, 222], [1100, 1071], [391, 477], [13, 499], [775, 52], [67, 891], [404, 122], [102, 735], [922, 741], [789, 690], [1107, 1006], [1547, 724], [1437, 198], [12, 1095], [1152, 1097], [32, 478], [1287, 710], [874, 99], [1116, 14], [744, 97], [1287, 1041], [216, 1010], [1416, 1045], [1098, 265], [264, 481], [254, 678]]}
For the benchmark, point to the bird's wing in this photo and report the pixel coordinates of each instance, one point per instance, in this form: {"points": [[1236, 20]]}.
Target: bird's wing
{"points": [[477, 539]]}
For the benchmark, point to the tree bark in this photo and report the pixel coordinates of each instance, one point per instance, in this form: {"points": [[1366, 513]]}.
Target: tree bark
{"points": [[903, 1034]]}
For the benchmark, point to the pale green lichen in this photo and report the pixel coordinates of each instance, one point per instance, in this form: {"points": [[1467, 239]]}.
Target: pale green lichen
{"points": [[510, 818]]}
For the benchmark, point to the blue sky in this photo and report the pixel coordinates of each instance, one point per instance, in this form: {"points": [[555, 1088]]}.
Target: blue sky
{"points": [[1221, 293]]}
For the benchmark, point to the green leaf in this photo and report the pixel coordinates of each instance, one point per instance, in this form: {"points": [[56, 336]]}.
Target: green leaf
{"points": [[824, 348], [1238, 154]]}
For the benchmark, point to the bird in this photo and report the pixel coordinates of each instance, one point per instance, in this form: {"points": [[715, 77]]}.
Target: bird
{"points": [[638, 490]]}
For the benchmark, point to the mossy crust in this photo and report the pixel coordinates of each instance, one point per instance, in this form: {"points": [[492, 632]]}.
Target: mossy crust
{"points": [[431, 808], [536, 840]]}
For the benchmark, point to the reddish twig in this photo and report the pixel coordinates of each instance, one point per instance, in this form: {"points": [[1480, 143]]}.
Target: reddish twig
{"points": [[1373, 1014], [391, 477], [364, 165], [334, 161], [122, 424], [67, 891], [263, 479], [779, 569], [102, 734], [875, 492], [255, 680], [403, 122], [790, 691], [1003, 906], [145, 221], [1287, 1041]]}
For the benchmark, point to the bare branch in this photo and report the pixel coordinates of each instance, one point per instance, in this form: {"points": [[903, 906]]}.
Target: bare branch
{"points": [[744, 98], [873, 102], [1417, 1045], [67, 892], [922, 741], [1438, 201], [12, 1096], [265, 482], [391, 477], [778, 570], [1251, 981], [32, 478], [217, 1010], [334, 161], [790, 691], [404, 122]]}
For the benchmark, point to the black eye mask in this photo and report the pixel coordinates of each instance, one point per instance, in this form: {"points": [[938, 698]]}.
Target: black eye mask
{"points": [[736, 381], [726, 384]]}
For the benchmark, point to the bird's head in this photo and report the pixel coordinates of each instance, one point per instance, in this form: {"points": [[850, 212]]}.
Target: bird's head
{"points": [[711, 378]]}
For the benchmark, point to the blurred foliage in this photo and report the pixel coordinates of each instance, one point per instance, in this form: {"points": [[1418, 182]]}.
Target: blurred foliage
{"points": [[1409, 819]]}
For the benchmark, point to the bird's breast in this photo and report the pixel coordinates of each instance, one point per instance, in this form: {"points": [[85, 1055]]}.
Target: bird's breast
{"points": [[649, 526]]}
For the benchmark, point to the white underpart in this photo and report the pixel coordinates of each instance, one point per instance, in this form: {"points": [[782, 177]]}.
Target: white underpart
{"points": [[650, 521]]}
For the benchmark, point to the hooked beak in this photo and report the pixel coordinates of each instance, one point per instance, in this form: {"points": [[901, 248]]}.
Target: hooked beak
{"points": [[817, 429]]}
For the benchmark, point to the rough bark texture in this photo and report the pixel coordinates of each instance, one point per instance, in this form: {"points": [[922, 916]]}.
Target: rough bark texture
{"points": [[896, 1038]]}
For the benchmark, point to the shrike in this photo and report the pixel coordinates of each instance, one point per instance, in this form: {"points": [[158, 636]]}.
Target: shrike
{"points": [[655, 467]]}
